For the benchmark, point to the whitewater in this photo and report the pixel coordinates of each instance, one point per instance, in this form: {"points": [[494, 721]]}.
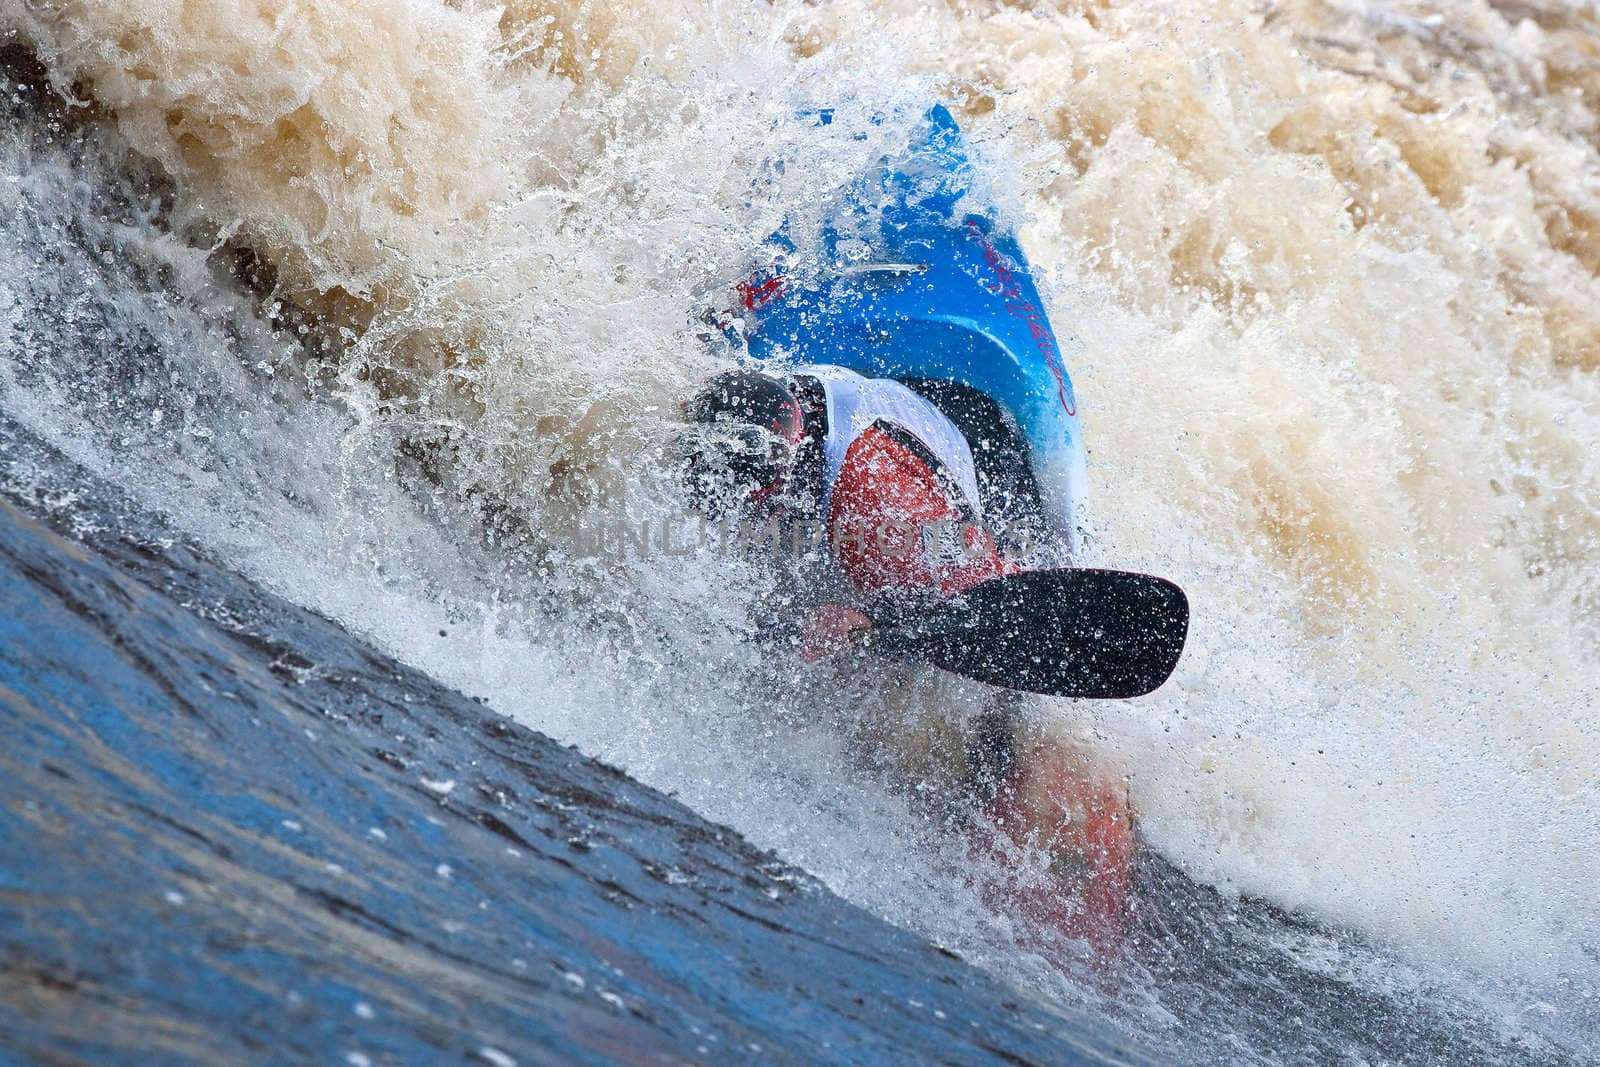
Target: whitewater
{"points": [[403, 292]]}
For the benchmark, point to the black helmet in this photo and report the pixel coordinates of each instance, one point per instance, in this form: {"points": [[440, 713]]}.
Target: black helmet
{"points": [[742, 447]]}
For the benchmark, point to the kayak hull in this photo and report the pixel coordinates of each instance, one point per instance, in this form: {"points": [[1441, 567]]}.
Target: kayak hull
{"points": [[909, 283]]}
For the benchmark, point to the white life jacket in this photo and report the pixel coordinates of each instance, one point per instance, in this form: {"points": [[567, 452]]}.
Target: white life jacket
{"points": [[855, 402]]}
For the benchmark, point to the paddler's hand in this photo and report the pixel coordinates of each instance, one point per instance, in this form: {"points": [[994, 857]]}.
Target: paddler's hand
{"points": [[829, 629]]}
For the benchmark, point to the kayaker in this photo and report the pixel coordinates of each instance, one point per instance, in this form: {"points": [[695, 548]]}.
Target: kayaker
{"points": [[915, 508]]}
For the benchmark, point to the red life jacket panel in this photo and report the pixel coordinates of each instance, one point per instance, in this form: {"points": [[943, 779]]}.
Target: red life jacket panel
{"points": [[897, 528]]}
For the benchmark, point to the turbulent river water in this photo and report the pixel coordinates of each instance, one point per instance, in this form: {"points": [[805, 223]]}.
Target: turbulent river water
{"points": [[378, 299]]}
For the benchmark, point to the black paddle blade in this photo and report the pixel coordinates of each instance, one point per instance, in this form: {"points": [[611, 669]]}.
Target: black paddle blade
{"points": [[1078, 633]]}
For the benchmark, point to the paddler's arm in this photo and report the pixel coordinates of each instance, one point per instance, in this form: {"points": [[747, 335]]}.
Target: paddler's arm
{"points": [[830, 629]]}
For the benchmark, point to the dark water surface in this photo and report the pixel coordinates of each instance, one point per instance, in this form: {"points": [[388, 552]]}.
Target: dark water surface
{"points": [[229, 832]]}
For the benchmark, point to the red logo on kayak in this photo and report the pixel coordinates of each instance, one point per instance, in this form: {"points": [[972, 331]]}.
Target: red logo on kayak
{"points": [[762, 287], [1009, 288]]}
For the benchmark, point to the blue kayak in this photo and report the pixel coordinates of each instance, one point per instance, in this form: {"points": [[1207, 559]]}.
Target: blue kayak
{"points": [[913, 285]]}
